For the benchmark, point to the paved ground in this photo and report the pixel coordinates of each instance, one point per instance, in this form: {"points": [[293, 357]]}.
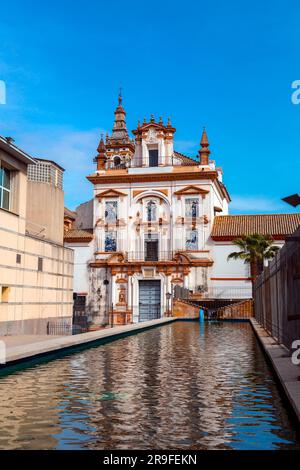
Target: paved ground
{"points": [[20, 340]]}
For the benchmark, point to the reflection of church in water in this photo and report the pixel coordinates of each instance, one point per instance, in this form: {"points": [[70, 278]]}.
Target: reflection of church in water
{"points": [[158, 218]]}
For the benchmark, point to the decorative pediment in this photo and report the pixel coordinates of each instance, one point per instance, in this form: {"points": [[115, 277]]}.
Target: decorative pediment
{"points": [[146, 193], [190, 191], [182, 258], [110, 193]]}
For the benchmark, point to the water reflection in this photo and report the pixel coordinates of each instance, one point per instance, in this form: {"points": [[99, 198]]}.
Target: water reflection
{"points": [[180, 386]]}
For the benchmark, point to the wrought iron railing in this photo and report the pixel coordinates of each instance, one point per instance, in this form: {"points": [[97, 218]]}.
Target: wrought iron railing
{"points": [[145, 163], [213, 292], [149, 256], [62, 328], [226, 292]]}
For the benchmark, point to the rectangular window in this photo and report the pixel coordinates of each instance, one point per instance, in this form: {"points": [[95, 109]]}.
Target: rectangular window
{"points": [[111, 211], [192, 207], [18, 258], [40, 264], [5, 293], [110, 241], [153, 157], [5, 180], [191, 240], [151, 247]]}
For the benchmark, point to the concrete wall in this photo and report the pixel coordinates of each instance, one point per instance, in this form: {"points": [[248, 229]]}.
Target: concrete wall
{"points": [[31, 295], [84, 215], [184, 310], [45, 211], [34, 297], [83, 254], [239, 311]]}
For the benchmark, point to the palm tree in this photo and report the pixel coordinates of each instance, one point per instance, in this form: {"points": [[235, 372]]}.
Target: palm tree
{"points": [[254, 249]]}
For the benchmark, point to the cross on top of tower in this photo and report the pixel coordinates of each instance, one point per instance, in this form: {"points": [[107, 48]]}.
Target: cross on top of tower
{"points": [[120, 96]]}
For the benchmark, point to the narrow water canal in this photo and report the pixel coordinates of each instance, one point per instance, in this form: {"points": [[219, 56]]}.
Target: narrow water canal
{"points": [[179, 386]]}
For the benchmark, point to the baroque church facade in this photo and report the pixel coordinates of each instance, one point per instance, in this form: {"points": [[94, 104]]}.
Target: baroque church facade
{"points": [[158, 219]]}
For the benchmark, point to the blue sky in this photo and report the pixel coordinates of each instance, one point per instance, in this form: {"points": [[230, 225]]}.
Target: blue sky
{"points": [[226, 65]]}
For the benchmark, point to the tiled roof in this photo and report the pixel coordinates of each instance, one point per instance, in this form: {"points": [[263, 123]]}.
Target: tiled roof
{"points": [[78, 235], [278, 226], [69, 213], [185, 158]]}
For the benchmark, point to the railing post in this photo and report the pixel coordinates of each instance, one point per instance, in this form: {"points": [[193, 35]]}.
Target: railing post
{"points": [[112, 315]]}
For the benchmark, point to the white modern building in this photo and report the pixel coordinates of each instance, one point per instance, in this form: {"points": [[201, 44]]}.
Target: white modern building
{"points": [[158, 219]]}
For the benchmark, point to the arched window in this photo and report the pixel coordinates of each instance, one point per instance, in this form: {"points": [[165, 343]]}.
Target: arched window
{"points": [[117, 161], [151, 211]]}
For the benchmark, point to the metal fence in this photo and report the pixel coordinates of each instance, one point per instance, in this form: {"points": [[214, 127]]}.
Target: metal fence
{"points": [[64, 328], [214, 292], [277, 294], [226, 292]]}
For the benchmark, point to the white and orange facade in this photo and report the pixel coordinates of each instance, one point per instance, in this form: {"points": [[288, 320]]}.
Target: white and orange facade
{"points": [[154, 217]]}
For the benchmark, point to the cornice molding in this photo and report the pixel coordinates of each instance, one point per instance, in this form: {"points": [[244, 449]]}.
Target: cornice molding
{"points": [[125, 177]]}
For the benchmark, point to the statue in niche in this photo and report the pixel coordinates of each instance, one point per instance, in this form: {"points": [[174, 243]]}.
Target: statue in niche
{"points": [[122, 297], [151, 211]]}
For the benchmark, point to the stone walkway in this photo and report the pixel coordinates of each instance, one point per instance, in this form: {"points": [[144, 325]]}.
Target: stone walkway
{"points": [[286, 371], [20, 348], [20, 340]]}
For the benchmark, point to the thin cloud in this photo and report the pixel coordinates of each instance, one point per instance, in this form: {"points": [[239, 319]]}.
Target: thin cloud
{"points": [[73, 149], [252, 204]]}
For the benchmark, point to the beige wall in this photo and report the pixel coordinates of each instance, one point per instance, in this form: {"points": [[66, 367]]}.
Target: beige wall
{"points": [[34, 297], [45, 211], [29, 297]]}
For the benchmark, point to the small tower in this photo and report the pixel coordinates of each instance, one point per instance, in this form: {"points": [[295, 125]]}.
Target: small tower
{"points": [[119, 147], [204, 152], [101, 156], [154, 143]]}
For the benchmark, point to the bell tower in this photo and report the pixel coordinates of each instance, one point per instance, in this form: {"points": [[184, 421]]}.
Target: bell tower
{"points": [[119, 147]]}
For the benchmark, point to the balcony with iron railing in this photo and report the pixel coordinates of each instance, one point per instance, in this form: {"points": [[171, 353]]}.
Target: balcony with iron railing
{"points": [[150, 255], [144, 163], [223, 292], [213, 292]]}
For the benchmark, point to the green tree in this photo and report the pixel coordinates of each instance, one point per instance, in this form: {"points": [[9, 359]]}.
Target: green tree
{"points": [[254, 249]]}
